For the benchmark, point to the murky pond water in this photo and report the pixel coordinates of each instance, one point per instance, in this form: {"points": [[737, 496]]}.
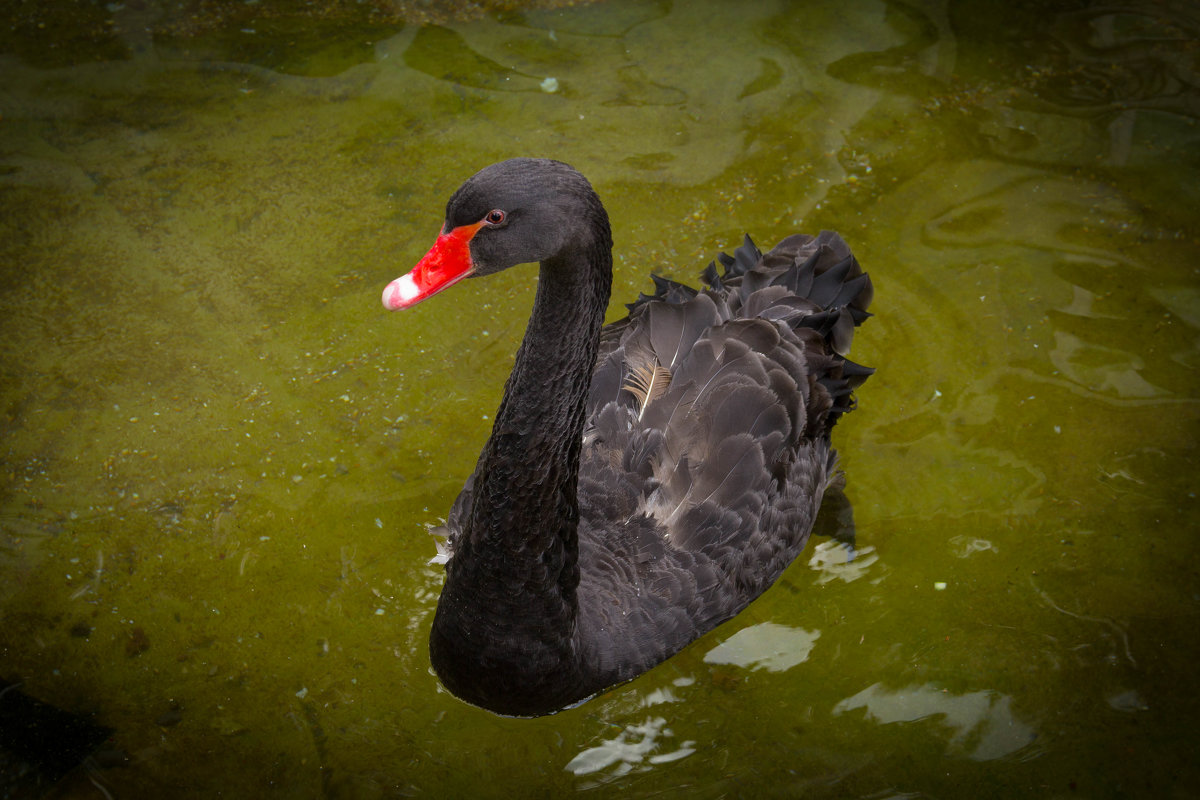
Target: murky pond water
{"points": [[220, 454]]}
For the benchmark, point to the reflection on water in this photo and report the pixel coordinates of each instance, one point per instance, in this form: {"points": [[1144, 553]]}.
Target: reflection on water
{"points": [[964, 546], [835, 560], [638, 746], [1128, 700], [982, 723], [220, 456], [768, 645], [1106, 370], [633, 748]]}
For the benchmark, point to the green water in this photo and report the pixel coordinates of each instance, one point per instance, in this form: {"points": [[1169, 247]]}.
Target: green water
{"points": [[220, 454]]}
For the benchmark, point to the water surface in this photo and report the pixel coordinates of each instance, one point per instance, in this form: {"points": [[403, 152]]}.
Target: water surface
{"points": [[220, 454]]}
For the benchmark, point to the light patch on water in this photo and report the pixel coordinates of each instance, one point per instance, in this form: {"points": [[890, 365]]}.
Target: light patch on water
{"points": [[982, 723], [835, 560], [768, 645], [632, 748], [1105, 370], [1127, 700], [963, 546]]}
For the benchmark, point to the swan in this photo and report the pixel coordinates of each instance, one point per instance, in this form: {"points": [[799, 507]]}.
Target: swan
{"points": [[645, 480]]}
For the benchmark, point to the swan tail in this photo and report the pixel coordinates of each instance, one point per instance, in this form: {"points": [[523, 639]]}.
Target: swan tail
{"points": [[815, 287]]}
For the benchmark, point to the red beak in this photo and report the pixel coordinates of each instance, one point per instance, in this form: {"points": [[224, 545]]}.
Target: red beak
{"points": [[446, 263]]}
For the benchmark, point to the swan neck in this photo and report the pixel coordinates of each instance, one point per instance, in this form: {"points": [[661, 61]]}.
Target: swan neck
{"points": [[515, 565], [532, 457]]}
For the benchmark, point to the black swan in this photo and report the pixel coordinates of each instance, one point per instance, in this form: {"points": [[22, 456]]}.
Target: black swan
{"points": [[644, 480]]}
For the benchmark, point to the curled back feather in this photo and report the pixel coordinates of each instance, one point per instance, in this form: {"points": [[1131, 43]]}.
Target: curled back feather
{"points": [[647, 383]]}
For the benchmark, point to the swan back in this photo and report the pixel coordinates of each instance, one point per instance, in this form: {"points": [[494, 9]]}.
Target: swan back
{"points": [[706, 450]]}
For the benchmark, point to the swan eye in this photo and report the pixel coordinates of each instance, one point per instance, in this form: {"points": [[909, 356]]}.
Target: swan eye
{"points": [[495, 217]]}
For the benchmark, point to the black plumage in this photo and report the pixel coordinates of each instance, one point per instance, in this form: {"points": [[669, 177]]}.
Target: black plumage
{"points": [[646, 480]]}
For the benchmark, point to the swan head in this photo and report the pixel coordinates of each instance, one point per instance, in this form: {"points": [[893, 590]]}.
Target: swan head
{"points": [[515, 212]]}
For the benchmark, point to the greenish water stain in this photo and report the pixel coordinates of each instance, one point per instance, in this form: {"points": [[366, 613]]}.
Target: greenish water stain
{"points": [[220, 455]]}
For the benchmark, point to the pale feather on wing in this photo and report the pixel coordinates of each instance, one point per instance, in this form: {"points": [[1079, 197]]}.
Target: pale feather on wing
{"points": [[647, 382]]}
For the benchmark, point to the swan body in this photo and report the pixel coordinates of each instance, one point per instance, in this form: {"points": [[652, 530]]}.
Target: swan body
{"points": [[645, 480]]}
